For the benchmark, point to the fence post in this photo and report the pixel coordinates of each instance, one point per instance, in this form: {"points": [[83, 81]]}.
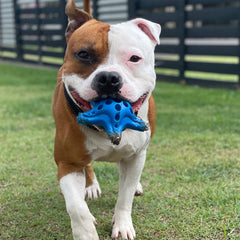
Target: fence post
{"points": [[39, 32], [64, 23], [238, 87], [95, 9], [182, 35], [132, 9], [18, 36], [1, 38]]}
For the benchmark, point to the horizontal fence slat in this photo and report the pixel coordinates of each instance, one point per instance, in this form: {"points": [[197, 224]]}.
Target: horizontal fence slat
{"points": [[170, 32], [211, 83], [51, 20], [29, 32], [168, 78], [167, 48], [45, 10], [54, 43], [30, 51], [30, 42], [50, 43], [112, 9], [161, 17], [53, 54], [214, 14], [208, 1], [111, 3], [212, 67], [143, 4], [45, 32], [9, 31], [29, 21], [7, 58], [32, 21], [224, 31], [167, 64], [7, 49], [213, 50], [44, 53], [27, 11]]}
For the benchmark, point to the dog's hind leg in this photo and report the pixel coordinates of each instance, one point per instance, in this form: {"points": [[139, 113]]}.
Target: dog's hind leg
{"points": [[92, 190]]}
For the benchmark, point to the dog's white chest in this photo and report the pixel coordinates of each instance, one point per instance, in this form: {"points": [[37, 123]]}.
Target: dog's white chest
{"points": [[101, 149]]}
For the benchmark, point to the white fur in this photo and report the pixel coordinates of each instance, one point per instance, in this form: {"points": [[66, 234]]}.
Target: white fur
{"points": [[130, 173], [82, 221], [93, 191], [125, 39]]}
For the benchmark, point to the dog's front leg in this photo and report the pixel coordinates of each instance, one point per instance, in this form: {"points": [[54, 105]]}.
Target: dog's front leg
{"points": [[130, 173], [82, 221]]}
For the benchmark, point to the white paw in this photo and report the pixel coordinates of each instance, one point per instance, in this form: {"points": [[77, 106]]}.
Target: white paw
{"points": [[122, 226], [85, 230], [139, 190], [93, 191]]}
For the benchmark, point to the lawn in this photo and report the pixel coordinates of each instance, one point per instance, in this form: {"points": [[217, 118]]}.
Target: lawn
{"points": [[191, 178]]}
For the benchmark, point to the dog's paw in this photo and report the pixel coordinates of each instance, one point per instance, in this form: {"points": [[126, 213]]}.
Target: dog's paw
{"points": [[93, 191], [83, 234], [122, 226], [84, 227], [139, 190]]}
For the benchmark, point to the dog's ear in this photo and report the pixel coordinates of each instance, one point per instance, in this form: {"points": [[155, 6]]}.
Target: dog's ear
{"points": [[76, 18], [151, 29]]}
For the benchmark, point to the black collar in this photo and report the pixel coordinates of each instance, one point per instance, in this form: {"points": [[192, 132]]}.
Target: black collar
{"points": [[71, 102]]}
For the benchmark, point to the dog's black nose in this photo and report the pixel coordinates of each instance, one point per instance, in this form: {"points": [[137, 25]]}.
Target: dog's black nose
{"points": [[107, 83]]}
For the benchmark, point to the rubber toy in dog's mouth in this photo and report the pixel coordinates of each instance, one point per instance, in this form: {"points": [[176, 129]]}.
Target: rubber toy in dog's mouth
{"points": [[114, 116]]}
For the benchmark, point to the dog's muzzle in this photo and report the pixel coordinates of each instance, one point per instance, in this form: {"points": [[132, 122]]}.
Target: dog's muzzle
{"points": [[107, 84]]}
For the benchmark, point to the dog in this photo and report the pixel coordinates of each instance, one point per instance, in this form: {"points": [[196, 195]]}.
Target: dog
{"points": [[123, 56]]}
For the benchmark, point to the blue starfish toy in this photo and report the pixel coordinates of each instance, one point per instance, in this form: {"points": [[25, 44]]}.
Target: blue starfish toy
{"points": [[114, 116]]}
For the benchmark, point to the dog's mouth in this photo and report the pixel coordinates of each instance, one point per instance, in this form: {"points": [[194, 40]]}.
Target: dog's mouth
{"points": [[86, 106]]}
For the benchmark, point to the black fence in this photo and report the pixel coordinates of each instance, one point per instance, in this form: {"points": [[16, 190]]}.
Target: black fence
{"points": [[37, 33], [199, 40]]}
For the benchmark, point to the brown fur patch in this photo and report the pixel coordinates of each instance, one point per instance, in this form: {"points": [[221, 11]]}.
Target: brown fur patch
{"points": [[89, 174], [152, 114], [92, 36], [70, 152]]}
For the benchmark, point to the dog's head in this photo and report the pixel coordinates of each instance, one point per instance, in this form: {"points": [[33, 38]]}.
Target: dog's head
{"points": [[115, 61]]}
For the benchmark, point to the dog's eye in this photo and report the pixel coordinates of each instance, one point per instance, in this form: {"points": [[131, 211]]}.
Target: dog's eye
{"points": [[82, 54], [85, 56], [135, 58]]}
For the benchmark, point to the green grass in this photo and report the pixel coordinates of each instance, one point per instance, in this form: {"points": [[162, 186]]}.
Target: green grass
{"points": [[191, 179]]}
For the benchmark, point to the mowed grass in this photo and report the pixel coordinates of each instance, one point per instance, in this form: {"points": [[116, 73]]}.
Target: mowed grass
{"points": [[191, 178]]}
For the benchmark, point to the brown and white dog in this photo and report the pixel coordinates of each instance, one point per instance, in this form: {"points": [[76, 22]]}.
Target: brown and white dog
{"points": [[123, 56]]}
